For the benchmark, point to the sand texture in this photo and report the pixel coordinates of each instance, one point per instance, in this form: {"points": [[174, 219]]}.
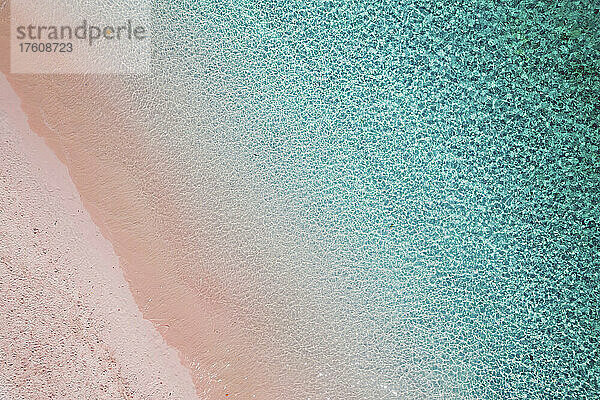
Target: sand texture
{"points": [[69, 327]]}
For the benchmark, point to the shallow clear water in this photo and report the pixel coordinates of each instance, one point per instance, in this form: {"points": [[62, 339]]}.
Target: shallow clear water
{"points": [[424, 174]]}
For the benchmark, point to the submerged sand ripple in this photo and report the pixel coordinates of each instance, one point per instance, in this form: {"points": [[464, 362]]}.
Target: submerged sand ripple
{"points": [[69, 327]]}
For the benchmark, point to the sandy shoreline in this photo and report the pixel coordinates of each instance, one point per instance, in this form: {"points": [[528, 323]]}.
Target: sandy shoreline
{"points": [[69, 327], [87, 123], [187, 306], [97, 129]]}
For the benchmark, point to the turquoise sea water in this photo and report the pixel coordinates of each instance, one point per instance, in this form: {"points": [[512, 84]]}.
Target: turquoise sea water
{"points": [[431, 170]]}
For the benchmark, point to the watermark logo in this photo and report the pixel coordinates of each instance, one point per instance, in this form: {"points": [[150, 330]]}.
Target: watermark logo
{"points": [[80, 36]]}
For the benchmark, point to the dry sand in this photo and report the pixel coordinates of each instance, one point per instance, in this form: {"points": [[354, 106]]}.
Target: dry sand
{"points": [[88, 123], [69, 327]]}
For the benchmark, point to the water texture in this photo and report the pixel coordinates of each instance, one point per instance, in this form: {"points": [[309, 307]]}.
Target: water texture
{"points": [[425, 175]]}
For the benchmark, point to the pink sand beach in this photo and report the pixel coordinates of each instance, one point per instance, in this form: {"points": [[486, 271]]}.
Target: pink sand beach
{"points": [[69, 327], [112, 289], [114, 194]]}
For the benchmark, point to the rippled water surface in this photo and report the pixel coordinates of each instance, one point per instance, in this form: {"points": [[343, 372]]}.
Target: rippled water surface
{"points": [[424, 177]]}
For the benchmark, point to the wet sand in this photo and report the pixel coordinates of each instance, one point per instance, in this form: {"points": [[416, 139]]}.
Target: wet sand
{"points": [[86, 121], [69, 327]]}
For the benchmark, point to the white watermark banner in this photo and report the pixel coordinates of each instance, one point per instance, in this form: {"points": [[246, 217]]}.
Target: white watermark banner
{"points": [[80, 36]]}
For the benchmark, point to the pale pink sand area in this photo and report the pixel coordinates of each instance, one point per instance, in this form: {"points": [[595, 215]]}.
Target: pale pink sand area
{"points": [[69, 326], [175, 259]]}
